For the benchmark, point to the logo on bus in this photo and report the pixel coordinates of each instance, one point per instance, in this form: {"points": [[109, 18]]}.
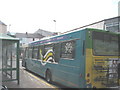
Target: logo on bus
{"points": [[48, 57]]}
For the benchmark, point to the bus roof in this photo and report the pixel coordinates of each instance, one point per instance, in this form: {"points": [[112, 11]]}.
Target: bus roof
{"points": [[91, 29], [101, 30]]}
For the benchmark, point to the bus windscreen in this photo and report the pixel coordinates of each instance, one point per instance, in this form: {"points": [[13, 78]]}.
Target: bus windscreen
{"points": [[105, 44]]}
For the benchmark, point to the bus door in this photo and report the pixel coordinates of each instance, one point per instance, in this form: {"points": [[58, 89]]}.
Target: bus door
{"points": [[25, 56]]}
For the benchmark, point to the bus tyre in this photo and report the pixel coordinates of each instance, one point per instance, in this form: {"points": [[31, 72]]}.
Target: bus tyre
{"points": [[48, 76]]}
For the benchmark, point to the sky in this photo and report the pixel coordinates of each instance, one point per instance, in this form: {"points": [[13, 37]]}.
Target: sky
{"points": [[30, 15]]}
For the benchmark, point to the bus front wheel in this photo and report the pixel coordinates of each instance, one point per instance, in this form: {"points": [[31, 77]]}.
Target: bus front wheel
{"points": [[48, 76]]}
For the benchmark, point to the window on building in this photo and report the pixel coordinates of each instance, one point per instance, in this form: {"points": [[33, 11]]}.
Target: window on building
{"points": [[113, 26]]}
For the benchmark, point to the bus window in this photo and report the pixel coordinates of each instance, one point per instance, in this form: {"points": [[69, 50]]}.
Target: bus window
{"points": [[41, 52], [48, 47], [30, 52], [68, 49], [83, 48], [57, 51], [105, 44], [35, 53], [26, 53], [48, 55]]}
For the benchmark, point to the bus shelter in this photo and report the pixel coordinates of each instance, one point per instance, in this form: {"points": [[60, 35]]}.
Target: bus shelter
{"points": [[10, 58]]}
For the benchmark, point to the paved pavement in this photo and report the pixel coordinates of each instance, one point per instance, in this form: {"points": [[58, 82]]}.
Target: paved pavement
{"points": [[29, 80]]}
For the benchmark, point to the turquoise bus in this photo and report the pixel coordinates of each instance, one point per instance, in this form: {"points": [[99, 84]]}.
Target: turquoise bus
{"points": [[85, 58]]}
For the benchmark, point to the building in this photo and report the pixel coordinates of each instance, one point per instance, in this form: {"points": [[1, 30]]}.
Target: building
{"points": [[119, 8], [111, 24], [29, 37], [45, 33], [3, 27]]}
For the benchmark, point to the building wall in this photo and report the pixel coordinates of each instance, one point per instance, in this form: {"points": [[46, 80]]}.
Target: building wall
{"points": [[99, 25], [112, 24], [24, 41], [3, 28], [119, 8]]}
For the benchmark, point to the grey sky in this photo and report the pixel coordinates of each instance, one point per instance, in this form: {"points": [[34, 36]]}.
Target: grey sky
{"points": [[30, 15]]}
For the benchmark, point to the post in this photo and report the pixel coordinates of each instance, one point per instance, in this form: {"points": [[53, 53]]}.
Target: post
{"points": [[9, 27], [55, 24], [18, 70], [1, 64], [119, 8]]}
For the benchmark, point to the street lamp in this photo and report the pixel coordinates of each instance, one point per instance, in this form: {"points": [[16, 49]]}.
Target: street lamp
{"points": [[9, 27], [55, 24]]}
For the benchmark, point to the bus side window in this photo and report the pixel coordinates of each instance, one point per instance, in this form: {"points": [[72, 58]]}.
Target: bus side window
{"points": [[30, 52], [35, 53], [48, 47], [83, 47], [68, 49], [57, 47], [41, 52], [26, 53]]}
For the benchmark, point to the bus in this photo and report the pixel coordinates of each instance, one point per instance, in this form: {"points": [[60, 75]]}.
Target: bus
{"points": [[85, 58]]}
